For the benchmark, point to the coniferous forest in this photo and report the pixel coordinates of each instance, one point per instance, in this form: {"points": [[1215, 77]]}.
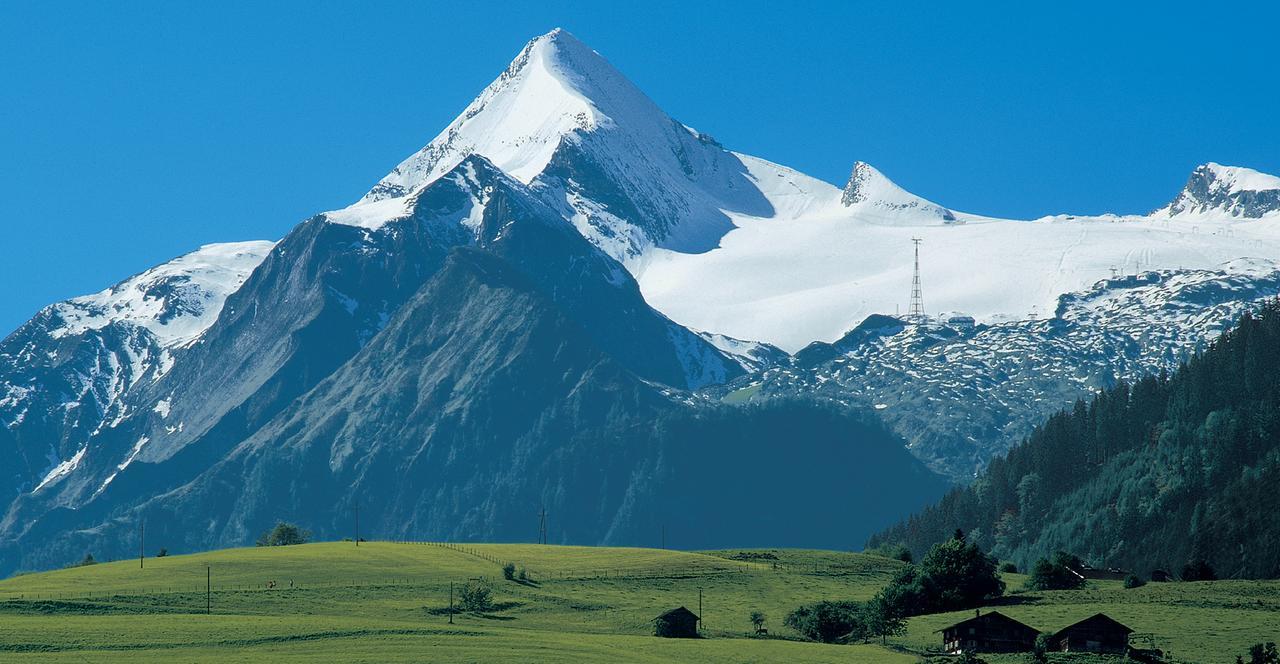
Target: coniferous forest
{"points": [[1158, 474]]}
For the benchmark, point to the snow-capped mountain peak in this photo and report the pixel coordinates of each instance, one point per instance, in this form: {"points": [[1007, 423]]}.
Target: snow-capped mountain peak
{"points": [[564, 120], [175, 301], [1231, 190], [517, 122], [870, 191]]}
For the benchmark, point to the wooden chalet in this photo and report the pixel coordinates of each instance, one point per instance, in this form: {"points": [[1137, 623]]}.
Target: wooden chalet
{"points": [[988, 632], [1098, 633]]}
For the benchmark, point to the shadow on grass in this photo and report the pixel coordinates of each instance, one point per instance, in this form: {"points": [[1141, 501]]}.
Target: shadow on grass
{"points": [[489, 613], [1013, 600], [81, 607]]}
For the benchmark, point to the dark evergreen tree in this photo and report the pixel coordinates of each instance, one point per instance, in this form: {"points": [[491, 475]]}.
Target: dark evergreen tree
{"points": [[827, 621], [1060, 573]]}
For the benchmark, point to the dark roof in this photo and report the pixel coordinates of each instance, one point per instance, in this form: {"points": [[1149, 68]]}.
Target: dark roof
{"points": [[989, 617], [1097, 621], [678, 613]]}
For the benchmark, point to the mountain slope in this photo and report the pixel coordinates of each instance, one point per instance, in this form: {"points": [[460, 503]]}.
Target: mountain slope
{"points": [[482, 397], [329, 287], [324, 293], [1146, 476]]}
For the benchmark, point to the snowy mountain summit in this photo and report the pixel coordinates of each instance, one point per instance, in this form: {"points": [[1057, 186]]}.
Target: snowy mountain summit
{"points": [[175, 301], [562, 119], [1226, 190], [870, 191]]}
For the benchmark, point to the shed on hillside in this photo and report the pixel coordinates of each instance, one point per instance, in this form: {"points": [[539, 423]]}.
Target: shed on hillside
{"points": [[988, 632], [1097, 633], [678, 623]]}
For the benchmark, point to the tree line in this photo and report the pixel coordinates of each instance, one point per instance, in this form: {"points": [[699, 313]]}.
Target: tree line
{"points": [[955, 574]]}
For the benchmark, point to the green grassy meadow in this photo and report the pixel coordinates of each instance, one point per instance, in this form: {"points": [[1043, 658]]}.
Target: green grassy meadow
{"points": [[384, 602]]}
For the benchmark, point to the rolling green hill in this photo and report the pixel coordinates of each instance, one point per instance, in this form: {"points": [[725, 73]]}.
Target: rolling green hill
{"points": [[385, 602]]}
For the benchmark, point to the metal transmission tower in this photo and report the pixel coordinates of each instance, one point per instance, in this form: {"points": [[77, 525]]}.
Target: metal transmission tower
{"points": [[916, 312]]}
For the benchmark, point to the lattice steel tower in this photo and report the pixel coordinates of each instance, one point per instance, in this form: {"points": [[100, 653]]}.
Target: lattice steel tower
{"points": [[916, 313]]}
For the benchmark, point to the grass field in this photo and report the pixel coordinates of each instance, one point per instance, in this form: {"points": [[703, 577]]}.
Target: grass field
{"points": [[384, 602]]}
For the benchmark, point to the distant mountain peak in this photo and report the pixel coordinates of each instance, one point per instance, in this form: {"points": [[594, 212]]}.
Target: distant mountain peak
{"points": [[563, 120], [176, 301], [869, 189], [865, 182], [1232, 190], [555, 86]]}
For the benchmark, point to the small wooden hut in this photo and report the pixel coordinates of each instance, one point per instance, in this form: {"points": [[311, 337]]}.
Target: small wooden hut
{"points": [[678, 623]]}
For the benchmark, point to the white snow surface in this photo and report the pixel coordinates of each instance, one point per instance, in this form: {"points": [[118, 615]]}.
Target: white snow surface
{"points": [[61, 470], [370, 214], [793, 279], [176, 301], [1238, 178]]}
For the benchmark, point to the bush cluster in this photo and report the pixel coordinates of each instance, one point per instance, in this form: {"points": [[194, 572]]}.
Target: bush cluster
{"points": [[953, 575]]}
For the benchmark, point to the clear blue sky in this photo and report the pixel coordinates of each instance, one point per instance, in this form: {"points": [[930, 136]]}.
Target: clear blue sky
{"points": [[131, 133]]}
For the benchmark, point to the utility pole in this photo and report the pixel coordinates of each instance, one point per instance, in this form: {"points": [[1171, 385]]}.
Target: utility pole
{"points": [[357, 523], [450, 602], [208, 589], [542, 526], [701, 622], [916, 312], [664, 536], [142, 542]]}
